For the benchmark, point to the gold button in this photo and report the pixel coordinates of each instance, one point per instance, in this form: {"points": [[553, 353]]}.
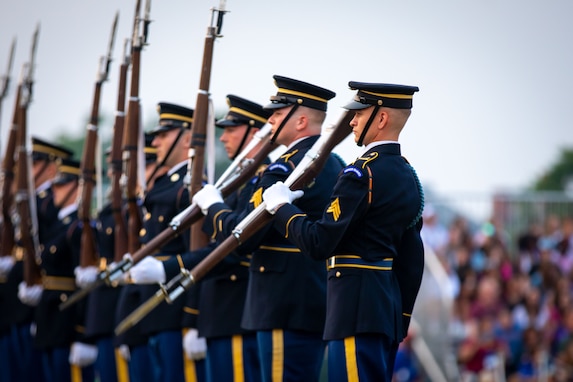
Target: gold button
{"points": [[337, 274], [233, 277], [142, 232], [174, 177], [67, 220], [160, 218], [148, 216], [63, 297], [53, 249], [261, 269], [109, 230]]}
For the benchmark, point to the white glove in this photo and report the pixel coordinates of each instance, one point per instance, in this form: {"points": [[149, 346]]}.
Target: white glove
{"points": [[6, 264], [279, 194], [124, 352], [29, 294], [148, 271], [195, 347], [86, 275], [82, 354], [206, 197]]}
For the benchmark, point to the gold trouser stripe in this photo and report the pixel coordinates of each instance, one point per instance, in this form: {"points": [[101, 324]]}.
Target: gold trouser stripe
{"points": [[350, 356], [122, 369], [76, 373], [278, 355], [237, 353], [189, 365], [59, 283]]}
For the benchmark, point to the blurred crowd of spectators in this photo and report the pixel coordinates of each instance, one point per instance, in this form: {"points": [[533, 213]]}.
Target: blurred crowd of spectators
{"points": [[511, 311]]}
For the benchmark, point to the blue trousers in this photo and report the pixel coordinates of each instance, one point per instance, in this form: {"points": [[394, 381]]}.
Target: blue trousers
{"points": [[105, 362], [287, 355], [361, 358], [139, 366], [58, 369], [23, 355], [166, 350], [231, 359]]}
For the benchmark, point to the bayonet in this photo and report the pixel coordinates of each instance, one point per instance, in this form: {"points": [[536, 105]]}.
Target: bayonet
{"points": [[146, 21], [108, 59], [6, 77], [30, 66]]}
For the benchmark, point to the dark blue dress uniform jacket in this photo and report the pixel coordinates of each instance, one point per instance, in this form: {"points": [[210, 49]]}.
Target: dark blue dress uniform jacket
{"points": [[286, 290], [165, 199], [60, 256], [368, 226]]}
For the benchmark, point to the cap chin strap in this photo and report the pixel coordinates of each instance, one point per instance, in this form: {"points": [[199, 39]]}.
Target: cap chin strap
{"points": [[249, 127], [162, 163], [44, 167], [68, 196], [283, 123], [365, 130]]}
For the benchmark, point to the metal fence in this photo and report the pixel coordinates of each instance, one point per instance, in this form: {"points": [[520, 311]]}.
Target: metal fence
{"points": [[513, 212]]}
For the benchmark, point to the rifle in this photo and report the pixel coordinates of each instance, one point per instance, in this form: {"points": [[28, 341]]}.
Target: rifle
{"points": [[89, 255], [120, 229], [7, 178], [303, 174], [241, 169], [132, 130], [6, 78], [200, 119], [25, 195]]}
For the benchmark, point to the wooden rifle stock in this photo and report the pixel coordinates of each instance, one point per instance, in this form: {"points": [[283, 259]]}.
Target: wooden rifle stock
{"points": [[131, 138], [200, 120], [303, 174], [25, 198], [120, 229], [7, 178], [89, 255]]}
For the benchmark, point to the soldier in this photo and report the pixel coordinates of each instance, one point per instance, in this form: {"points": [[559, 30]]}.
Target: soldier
{"points": [[231, 350], [132, 345], [370, 234], [168, 196], [286, 294], [102, 302], [20, 316], [59, 334]]}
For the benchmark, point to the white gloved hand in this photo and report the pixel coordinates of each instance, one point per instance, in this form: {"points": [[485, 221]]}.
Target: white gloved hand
{"points": [[86, 275], [82, 354], [29, 294], [206, 197], [195, 347], [124, 352], [148, 271], [6, 264], [279, 194]]}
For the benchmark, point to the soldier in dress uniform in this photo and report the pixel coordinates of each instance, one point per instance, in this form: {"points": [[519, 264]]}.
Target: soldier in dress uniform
{"points": [[65, 350], [286, 294], [231, 350], [370, 234], [102, 302], [168, 196], [20, 316], [132, 345]]}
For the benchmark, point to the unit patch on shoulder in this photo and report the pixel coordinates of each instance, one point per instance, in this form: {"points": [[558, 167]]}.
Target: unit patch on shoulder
{"points": [[354, 170], [334, 208], [257, 197], [278, 166]]}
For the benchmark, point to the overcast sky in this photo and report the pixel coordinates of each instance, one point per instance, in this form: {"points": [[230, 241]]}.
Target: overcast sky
{"points": [[493, 112]]}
